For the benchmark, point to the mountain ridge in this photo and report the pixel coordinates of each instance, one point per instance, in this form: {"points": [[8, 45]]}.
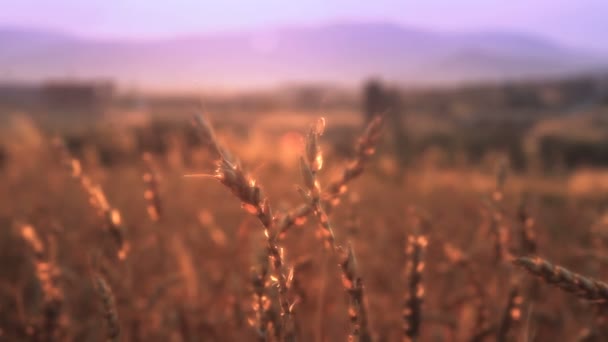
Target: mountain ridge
{"points": [[342, 53]]}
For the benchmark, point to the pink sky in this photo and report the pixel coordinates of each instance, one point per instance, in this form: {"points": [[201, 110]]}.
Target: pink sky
{"points": [[578, 23]]}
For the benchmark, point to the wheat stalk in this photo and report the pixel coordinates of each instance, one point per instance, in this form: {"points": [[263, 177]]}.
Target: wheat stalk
{"points": [[310, 164], [511, 314], [364, 149], [527, 230], [497, 229], [231, 174], [353, 284], [47, 274], [97, 199], [261, 301], [459, 259], [412, 311], [110, 313], [151, 192]]}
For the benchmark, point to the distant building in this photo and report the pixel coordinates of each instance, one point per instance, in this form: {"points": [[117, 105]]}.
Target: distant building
{"points": [[86, 98], [18, 95]]}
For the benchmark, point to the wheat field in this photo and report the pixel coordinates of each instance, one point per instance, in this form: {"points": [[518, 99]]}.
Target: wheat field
{"points": [[308, 234]]}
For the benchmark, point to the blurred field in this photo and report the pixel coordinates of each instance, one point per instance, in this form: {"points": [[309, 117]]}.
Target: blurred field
{"points": [[436, 174]]}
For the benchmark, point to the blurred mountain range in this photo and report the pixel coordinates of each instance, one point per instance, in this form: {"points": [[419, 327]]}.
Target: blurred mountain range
{"points": [[340, 53]]}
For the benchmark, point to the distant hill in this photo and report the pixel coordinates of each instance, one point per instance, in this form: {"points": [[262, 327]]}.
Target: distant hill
{"points": [[339, 53]]}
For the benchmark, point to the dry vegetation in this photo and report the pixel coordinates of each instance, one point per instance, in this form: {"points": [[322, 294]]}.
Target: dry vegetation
{"points": [[207, 242]]}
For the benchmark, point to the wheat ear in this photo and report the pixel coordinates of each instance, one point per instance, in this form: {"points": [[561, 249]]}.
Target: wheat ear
{"points": [[110, 313], [231, 174], [579, 285], [310, 164], [412, 311]]}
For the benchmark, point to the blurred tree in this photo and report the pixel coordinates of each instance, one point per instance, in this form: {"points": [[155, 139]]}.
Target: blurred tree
{"points": [[373, 99], [381, 100], [3, 157]]}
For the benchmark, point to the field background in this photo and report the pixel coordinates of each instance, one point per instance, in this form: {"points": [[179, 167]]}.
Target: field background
{"points": [[188, 275]]}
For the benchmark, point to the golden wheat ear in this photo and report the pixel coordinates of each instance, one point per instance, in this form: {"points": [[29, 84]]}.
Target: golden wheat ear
{"points": [[365, 148], [48, 274], [232, 175], [310, 164], [151, 180], [97, 199], [414, 298]]}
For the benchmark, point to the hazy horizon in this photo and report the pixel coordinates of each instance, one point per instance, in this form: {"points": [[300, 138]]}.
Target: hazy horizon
{"points": [[574, 24], [188, 44]]}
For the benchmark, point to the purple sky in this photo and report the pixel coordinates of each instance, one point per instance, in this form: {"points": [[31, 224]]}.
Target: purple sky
{"points": [[578, 23]]}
